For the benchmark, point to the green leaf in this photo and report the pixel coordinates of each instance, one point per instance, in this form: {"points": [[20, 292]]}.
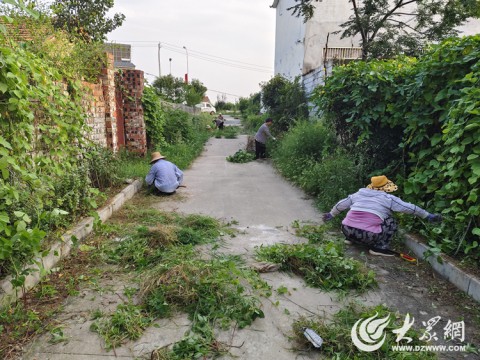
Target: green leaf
{"points": [[4, 218], [5, 143], [3, 87], [476, 231], [476, 168]]}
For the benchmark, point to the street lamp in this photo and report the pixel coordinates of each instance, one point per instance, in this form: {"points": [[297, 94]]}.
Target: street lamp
{"points": [[186, 75], [170, 59]]}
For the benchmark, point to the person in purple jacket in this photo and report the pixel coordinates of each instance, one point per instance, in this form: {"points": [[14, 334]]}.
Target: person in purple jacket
{"points": [[369, 220]]}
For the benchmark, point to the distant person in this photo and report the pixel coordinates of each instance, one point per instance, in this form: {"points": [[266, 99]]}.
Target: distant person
{"points": [[219, 122], [261, 137], [369, 220], [164, 175]]}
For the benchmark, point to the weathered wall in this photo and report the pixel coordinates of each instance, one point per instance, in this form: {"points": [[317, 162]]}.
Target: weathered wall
{"points": [[114, 109], [95, 108], [131, 83], [108, 87]]}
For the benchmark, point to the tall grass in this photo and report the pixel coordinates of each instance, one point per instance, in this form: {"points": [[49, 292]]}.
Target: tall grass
{"points": [[309, 156], [185, 136]]}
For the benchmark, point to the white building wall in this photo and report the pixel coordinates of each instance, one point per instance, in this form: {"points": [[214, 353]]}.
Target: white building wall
{"points": [[327, 18], [289, 38], [299, 47]]}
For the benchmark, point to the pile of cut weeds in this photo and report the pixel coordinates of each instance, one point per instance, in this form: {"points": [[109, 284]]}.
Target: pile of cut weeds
{"points": [[215, 290]]}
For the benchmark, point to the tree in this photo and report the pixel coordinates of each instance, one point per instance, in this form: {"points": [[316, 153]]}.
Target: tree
{"points": [[285, 101], [86, 18], [195, 91], [176, 91], [170, 88], [251, 105], [390, 27]]}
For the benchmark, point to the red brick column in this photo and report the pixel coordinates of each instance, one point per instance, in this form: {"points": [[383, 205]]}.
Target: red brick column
{"points": [[131, 83], [108, 86]]}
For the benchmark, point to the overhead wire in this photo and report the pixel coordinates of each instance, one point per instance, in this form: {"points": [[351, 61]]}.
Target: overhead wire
{"points": [[204, 56]]}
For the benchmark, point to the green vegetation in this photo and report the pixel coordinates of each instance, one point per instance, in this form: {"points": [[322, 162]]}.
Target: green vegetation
{"points": [[414, 120], [34, 188], [308, 155], [175, 90], [417, 122], [285, 101], [214, 290], [49, 168], [86, 20], [127, 322], [322, 265], [337, 340], [241, 156]]}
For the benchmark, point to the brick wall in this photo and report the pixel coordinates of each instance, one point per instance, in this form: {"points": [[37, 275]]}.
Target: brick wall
{"points": [[108, 87], [95, 107], [130, 84], [114, 109]]}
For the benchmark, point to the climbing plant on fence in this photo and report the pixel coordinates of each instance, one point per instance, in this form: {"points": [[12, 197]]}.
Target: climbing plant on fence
{"points": [[154, 117], [42, 172], [419, 120]]}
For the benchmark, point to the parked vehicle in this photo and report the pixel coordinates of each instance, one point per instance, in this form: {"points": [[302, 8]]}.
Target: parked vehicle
{"points": [[206, 107]]}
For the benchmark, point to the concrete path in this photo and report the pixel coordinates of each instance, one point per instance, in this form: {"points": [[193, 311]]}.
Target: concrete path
{"points": [[262, 205]]}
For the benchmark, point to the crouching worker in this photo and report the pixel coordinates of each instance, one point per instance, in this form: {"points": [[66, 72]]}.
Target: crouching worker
{"points": [[164, 175], [369, 221]]}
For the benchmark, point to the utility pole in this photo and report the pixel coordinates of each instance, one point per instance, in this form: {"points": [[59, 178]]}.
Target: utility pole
{"points": [[170, 59], [159, 67], [186, 75]]}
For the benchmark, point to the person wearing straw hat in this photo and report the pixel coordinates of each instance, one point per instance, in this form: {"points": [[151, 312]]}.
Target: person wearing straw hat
{"points": [[369, 220], [164, 175]]}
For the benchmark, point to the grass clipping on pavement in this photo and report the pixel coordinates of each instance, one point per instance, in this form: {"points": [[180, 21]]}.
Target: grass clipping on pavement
{"points": [[215, 290]]}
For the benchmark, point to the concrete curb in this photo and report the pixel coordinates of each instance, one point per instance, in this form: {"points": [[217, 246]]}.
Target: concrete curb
{"points": [[59, 250], [465, 282]]}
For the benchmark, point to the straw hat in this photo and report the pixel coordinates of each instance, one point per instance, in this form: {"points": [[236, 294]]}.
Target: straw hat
{"points": [[156, 156], [382, 183]]}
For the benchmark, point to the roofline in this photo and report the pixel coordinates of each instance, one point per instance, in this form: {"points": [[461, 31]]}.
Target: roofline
{"points": [[275, 4]]}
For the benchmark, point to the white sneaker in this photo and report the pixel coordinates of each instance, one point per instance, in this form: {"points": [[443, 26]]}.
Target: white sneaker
{"points": [[379, 252]]}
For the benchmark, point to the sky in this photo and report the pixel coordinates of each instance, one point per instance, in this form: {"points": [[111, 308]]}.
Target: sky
{"points": [[230, 43]]}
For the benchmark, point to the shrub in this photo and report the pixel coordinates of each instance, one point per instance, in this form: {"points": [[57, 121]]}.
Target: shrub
{"points": [[285, 101], [251, 123], [332, 179], [418, 119], [304, 144]]}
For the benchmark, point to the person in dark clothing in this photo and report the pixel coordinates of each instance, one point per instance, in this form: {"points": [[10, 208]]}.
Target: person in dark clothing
{"points": [[261, 137], [219, 122]]}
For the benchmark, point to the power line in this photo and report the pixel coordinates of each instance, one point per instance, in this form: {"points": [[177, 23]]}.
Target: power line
{"points": [[204, 56]]}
